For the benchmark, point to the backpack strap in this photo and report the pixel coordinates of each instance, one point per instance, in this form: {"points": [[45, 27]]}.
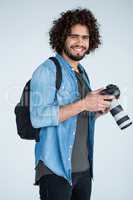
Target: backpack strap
{"points": [[58, 72]]}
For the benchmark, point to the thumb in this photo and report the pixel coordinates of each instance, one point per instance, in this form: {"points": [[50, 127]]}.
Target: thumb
{"points": [[98, 90]]}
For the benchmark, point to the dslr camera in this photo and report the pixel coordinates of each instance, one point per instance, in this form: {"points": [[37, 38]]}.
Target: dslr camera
{"points": [[121, 118]]}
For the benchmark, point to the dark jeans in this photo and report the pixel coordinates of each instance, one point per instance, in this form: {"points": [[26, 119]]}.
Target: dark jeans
{"points": [[53, 187]]}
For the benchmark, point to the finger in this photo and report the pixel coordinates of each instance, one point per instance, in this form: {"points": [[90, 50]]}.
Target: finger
{"points": [[107, 104], [97, 91], [106, 110], [108, 97], [102, 107], [103, 110]]}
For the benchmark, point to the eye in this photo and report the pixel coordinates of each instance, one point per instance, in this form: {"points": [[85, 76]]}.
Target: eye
{"points": [[86, 37], [73, 36]]}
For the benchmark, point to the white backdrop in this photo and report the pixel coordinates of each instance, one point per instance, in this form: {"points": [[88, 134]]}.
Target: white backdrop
{"points": [[24, 44]]}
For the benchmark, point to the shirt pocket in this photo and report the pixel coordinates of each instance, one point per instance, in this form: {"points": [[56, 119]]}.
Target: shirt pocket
{"points": [[66, 95]]}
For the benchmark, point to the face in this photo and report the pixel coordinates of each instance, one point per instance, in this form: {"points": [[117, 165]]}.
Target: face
{"points": [[77, 42]]}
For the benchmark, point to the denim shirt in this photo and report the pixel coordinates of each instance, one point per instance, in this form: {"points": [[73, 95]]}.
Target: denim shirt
{"points": [[57, 138]]}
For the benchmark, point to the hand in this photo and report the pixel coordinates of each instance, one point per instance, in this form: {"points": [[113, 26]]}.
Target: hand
{"points": [[100, 113], [95, 102]]}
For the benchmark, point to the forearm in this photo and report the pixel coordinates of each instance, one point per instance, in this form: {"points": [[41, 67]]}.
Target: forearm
{"points": [[70, 110]]}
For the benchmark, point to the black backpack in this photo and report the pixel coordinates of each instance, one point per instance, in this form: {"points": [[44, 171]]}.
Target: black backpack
{"points": [[22, 110]]}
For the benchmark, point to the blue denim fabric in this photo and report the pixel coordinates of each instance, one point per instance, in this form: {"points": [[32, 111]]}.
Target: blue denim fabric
{"points": [[56, 139]]}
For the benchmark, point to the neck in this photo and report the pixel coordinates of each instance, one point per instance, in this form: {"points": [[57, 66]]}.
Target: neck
{"points": [[74, 64]]}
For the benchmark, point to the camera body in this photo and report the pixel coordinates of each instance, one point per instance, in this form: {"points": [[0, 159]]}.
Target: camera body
{"points": [[121, 118], [111, 90]]}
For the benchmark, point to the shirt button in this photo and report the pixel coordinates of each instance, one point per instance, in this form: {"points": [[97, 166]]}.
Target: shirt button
{"points": [[69, 158], [70, 183], [73, 133]]}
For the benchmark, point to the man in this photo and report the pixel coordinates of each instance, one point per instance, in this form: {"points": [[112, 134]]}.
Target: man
{"points": [[64, 154]]}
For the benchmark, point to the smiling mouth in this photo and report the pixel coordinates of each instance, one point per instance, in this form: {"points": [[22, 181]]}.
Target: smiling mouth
{"points": [[78, 49]]}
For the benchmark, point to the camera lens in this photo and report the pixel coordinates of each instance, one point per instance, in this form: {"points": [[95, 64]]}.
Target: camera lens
{"points": [[121, 118]]}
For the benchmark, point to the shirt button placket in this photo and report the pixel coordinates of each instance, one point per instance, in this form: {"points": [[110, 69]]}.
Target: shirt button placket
{"points": [[70, 151]]}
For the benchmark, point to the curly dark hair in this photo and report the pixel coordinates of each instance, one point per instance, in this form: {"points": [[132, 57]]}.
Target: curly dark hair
{"points": [[62, 28]]}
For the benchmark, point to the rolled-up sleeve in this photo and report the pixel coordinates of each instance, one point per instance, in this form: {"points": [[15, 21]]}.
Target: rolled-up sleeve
{"points": [[44, 109]]}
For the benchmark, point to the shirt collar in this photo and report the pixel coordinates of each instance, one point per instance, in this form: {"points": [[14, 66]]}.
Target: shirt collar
{"points": [[63, 61]]}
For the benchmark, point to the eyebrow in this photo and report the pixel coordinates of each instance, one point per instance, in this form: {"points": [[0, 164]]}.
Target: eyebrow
{"points": [[75, 34]]}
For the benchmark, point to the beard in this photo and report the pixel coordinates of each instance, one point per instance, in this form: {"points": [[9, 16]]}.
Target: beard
{"points": [[73, 57]]}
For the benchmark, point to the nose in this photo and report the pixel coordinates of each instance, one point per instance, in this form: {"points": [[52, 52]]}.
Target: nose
{"points": [[80, 40]]}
